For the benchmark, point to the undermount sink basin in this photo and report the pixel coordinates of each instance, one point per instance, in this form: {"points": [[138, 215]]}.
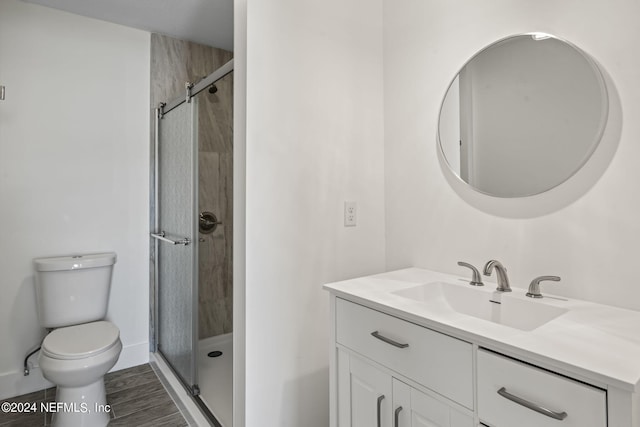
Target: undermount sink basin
{"points": [[486, 304]]}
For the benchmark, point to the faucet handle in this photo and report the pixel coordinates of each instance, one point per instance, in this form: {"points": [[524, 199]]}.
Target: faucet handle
{"points": [[534, 286], [476, 279]]}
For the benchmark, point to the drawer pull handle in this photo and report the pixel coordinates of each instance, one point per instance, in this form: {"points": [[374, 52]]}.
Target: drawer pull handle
{"points": [[397, 416], [389, 340], [380, 399], [533, 406]]}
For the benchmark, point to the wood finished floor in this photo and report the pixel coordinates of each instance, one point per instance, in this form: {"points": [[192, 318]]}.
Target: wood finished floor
{"points": [[136, 396]]}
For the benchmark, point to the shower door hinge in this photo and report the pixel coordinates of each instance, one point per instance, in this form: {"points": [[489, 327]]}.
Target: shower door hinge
{"points": [[188, 86], [195, 390], [1, 93]]}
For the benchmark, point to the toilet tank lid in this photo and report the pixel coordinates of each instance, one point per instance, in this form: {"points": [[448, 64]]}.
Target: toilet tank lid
{"points": [[75, 262]]}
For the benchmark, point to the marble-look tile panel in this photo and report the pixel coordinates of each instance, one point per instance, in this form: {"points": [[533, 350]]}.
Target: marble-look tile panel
{"points": [[219, 315], [215, 183], [215, 258], [215, 132], [208, 179]]}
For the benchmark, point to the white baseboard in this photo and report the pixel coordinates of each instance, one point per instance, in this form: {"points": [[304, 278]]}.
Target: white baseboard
{"points": [[132, 355], [15, 383]]}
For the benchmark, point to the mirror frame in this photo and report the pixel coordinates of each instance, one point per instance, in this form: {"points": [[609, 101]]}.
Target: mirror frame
{"points": [[594, 143]]}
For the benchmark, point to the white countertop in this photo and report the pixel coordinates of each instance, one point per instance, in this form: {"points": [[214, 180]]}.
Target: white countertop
{"points": [[591, 342]]}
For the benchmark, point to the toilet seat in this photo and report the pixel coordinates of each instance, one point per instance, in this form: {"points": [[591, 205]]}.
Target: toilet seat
{"points": [[81, 341]]}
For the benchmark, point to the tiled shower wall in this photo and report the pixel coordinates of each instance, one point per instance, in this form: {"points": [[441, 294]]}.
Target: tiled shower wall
{"points": [[174, 62]]}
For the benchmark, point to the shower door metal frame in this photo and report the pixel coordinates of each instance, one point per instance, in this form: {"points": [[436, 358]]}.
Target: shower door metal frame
{"points": [[194, 89], [158, 237], [163, 108]]}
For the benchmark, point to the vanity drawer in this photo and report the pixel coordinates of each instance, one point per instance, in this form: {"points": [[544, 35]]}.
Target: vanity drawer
{"points": [[437, 361], [584, 405]]}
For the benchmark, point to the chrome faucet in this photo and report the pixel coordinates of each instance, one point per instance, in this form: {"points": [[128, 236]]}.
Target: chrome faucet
{"points": [[501, 273]]}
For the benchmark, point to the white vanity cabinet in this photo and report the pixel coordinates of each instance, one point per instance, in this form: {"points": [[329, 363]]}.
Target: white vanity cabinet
{"points": [[447, 368], [376, 352]]}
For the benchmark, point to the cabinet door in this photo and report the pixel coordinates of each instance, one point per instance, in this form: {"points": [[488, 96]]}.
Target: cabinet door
{"points": [[412, 408], [370, 395]]}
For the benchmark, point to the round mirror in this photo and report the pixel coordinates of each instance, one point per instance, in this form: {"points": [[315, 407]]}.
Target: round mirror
{"points": [[522, 116]]}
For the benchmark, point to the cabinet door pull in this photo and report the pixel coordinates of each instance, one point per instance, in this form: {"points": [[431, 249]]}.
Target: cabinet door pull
{"points": [[397, 416], [380, 399], [533, 406], [389, 340]]}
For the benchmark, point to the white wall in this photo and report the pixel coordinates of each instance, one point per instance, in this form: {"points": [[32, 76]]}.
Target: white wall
{"points": [[592, 242], [314, 140], [239, 207], [74, 167], [449, 127]]}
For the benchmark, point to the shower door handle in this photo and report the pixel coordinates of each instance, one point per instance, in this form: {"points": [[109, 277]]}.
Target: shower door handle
{"points": [[162, 236]]}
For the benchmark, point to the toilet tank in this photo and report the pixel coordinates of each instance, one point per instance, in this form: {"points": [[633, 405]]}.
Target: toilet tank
{"points": [[73, 289]]}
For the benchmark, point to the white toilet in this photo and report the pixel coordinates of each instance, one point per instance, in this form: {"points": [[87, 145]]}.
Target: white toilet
{"points": [[72, 295]]}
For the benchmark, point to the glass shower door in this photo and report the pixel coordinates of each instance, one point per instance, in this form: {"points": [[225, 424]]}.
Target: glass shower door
{"points": [[177, 241]]}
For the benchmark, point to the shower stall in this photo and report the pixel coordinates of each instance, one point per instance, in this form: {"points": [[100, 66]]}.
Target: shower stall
{"points": [[192, 235]]}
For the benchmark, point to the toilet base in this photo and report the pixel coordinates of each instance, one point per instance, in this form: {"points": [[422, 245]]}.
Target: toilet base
{"points": [[81, 406]]}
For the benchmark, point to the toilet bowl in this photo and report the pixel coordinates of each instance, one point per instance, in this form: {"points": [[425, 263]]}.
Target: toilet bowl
{"points": [[72, 294], [76, 358]]}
